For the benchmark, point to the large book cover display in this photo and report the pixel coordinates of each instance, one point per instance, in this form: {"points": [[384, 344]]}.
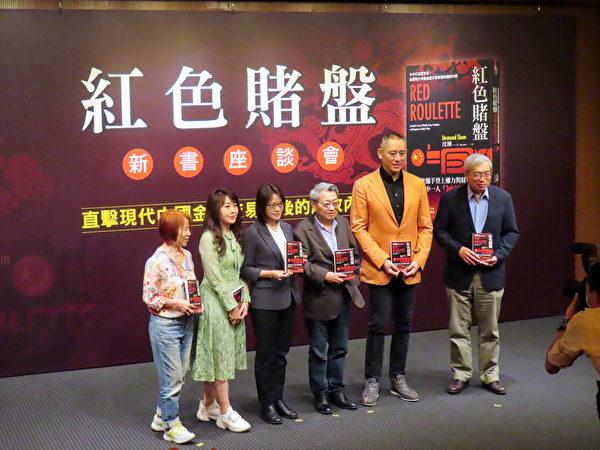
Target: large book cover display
{"points": [[452, 111]]}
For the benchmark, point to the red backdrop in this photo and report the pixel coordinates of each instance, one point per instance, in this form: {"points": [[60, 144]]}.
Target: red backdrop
{"points": [[71, 291]]}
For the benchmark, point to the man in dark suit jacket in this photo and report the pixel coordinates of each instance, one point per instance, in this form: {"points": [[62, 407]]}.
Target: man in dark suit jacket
{"points": [[473, 282], [327, 296]]}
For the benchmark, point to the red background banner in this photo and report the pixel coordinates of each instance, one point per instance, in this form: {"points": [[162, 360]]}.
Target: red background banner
{"points": [[73, 300]]}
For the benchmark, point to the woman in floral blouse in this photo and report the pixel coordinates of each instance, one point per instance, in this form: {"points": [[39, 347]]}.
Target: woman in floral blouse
{"points": [[171, 324], [221, 342]]}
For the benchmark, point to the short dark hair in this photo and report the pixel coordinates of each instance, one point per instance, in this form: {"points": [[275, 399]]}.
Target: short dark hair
{"points": [[594, 278], [263, 196], [392, 135], [169, 224]]}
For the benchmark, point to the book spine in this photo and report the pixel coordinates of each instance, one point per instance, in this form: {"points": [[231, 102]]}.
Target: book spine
{"points": [[495, 120]]}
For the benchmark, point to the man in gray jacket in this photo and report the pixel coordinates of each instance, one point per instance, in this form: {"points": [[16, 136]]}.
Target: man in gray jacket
{"points": [[327, 296]]}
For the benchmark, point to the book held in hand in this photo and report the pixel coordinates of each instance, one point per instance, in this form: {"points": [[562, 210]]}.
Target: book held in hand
{"points": [[482, 245], [294, 257], [192, 292], [401, 253], [343, 262], [237, 295]]}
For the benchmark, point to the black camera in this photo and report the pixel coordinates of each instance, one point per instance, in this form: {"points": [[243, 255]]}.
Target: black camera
{"points": [[589, 257], [589, 254]]}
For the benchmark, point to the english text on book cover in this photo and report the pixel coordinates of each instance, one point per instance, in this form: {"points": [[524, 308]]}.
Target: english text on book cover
{"points": [[453, 111]]}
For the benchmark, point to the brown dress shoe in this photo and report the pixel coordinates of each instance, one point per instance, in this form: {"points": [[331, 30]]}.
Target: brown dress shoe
{"points": [[457, 386], [495, 387]]}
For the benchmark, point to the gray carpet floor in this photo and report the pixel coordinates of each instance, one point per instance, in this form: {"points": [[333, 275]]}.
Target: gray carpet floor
{"points": [[111, 408]]}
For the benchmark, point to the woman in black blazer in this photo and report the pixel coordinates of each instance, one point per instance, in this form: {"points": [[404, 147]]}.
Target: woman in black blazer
{"points": [[274, 294]]}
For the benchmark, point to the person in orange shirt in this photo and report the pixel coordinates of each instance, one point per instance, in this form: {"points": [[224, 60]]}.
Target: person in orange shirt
{"points": [[390, 205], [582, 333]]}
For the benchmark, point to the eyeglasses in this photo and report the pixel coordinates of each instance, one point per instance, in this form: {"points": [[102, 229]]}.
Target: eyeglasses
{"points": [[480, 175], [275, 205], [328, 205]]}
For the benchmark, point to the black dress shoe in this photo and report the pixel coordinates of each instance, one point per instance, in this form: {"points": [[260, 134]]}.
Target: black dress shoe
{"points": [[268, 413], [285, 411], [456, 386], [495, 387], [322, 404], [339, 399]]}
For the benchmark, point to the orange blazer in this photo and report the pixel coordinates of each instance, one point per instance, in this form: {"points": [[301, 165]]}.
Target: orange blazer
{"points": [[375, 227]]}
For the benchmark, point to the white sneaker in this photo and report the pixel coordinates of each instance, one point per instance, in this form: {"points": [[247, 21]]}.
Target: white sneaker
{"points": [[206, 413], [158, 424], [178, 434], [232, 421]]}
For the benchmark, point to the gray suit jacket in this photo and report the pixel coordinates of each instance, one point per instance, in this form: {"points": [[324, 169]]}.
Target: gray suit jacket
{"points": [[261, 253], [323, 300]]}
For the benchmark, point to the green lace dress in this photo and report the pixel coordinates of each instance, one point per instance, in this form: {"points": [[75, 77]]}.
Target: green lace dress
{"points": [[220, 346]]}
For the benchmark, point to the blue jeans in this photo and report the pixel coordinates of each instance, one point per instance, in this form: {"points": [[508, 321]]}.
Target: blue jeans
{"points": [[171, 341], [327, 352]]}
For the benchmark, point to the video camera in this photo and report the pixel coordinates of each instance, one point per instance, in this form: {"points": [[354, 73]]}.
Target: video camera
{"points": [[589, 256]]}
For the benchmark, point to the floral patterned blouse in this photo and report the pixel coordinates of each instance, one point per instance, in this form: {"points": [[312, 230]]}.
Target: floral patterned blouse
{"points": [[163, 275]]}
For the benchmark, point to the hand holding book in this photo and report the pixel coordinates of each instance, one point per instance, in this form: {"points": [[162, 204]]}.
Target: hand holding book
{"points": [[234, 316], [181, 306], [468, 256], [489, 262], [239, 313], [410, 270], [335, 278], [390, 268]]}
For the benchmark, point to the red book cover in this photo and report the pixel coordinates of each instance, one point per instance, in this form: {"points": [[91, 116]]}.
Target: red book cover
{"points": [[343, 262], [192, 292], [452, 111], [401, 253], [237, 294], [294, 257], [482, 245]]}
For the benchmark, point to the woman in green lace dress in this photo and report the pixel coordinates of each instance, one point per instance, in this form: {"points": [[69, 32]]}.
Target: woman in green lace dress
{"points": [[221, 341]]}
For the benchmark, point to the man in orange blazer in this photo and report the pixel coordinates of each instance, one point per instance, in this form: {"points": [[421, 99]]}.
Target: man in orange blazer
{"points": [[389, 205]]}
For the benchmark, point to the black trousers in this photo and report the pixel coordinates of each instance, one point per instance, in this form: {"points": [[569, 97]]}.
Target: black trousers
{"points": [[400, 299], [273, 334]]}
